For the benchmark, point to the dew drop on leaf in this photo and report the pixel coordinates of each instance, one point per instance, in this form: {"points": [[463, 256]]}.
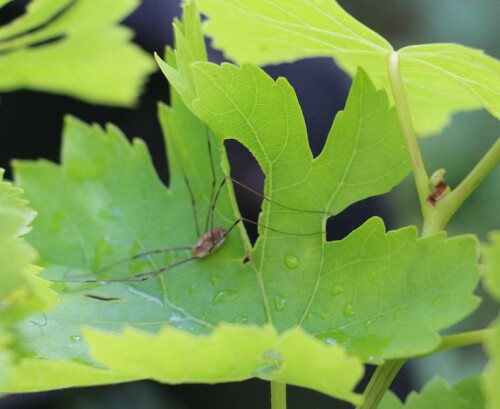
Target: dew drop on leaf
{"points": [[349, 310], [279, 302], [310, 316], [292, 261], [224, 296], [330, 341], [75, 338], [214, 280], [324, 315], [337, 289]]}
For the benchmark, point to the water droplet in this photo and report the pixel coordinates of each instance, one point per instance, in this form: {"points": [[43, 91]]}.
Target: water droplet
{"points": [[292, 261], [337, 289], [371, 358], [224, 296], [271, 361], [214, 280], [111, 214], [242, 319], [175, 318], [367, 324], [330, 341], [399, 311], [193, 288], [272, 358], [324, 315], [310, 316], [279, 302], [349, 310], [75, 338]]}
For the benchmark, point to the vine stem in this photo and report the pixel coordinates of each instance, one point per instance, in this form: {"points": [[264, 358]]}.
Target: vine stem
{"points": [[278, 395]]}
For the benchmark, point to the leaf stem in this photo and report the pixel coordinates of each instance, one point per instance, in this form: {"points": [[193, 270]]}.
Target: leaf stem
{"points": [[380, 382], [406, 123], [278, 395], [451, 202], [460, 340]]}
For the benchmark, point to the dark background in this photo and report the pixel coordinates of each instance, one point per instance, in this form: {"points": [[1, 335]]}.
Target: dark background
{"points": [[31, 123]]}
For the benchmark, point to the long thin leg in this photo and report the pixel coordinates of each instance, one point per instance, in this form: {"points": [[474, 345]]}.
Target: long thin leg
{"points": [[209, 219], [133, 278], [139, 255], [274, 202], [190, 191]]}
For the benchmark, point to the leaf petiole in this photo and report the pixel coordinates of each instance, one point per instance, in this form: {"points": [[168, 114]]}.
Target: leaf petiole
{"points": [[380, 382], [406, 123], [278, 395]]}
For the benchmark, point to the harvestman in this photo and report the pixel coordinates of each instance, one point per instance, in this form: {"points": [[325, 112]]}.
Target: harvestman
{"points": [[211, 240]]}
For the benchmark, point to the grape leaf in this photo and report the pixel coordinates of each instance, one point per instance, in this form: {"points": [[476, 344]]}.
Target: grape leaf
{"points": [[437, 394], [491, 378], [439, 78], [491, 256], [105, 202], [230, 353], [72, 47]]}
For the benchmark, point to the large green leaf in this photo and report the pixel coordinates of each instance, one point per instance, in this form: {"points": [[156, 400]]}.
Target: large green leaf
{"points": [[231, 353], [73, 47], [437, 394], [439, 78], [370, 292]]}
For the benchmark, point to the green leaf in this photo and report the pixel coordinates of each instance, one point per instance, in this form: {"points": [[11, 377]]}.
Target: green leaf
{"points": [[437, 394], [439, 78], [231, 353], [74, 48], [491, 261], [21, 292], [370, 292], [491, 378], [35, 374]]}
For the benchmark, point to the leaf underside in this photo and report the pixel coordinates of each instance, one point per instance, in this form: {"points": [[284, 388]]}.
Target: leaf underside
{"points": [[440, 79], [73, 47]]}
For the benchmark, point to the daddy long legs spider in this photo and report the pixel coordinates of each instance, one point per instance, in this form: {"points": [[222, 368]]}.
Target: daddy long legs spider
{"points": [[213, 237]]}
